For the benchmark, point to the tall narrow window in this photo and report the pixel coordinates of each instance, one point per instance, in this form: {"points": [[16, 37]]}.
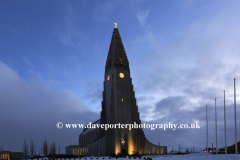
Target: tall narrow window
{"points": [[125, 64], [116, 62], [122, 139], [120, 60]]}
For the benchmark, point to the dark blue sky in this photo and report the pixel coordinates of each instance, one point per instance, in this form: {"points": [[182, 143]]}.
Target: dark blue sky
{"points": [[182, 55]]}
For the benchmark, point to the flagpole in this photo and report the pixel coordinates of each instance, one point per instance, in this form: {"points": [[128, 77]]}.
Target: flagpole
{"points": [[225, 125], [207, 127], [235, 116], [216, 124]]}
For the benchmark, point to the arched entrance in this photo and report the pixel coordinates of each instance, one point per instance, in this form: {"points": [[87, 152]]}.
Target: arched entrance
{"points": [[123, 144]]}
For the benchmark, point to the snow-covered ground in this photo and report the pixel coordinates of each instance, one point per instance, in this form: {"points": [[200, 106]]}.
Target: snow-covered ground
{"points": [[198, 156], [193, 156]]}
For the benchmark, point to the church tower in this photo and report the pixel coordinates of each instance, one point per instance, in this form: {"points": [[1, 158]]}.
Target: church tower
{"points": [[119, 102], [118, 107]]}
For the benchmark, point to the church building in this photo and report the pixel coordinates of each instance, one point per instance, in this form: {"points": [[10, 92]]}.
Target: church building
{"points": [[118, 107]]}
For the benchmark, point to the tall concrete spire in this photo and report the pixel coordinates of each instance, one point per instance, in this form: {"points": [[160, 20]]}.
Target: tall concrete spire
{"points": [[116, 53]]}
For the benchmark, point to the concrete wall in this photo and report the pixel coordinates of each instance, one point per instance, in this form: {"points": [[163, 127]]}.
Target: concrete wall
{"points": [[10, 155], [152, 149], [98, 148]]}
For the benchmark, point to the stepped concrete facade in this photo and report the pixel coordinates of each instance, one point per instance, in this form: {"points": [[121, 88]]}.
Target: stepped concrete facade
{"points": [[118, 107]]}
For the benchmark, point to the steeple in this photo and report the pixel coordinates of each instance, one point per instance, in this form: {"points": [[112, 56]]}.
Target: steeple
{"points": [[116, 55], [118, 107], [119, 102]]}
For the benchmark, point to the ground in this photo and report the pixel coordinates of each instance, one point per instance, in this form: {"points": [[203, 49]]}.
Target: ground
{"points": [[193, 156]]}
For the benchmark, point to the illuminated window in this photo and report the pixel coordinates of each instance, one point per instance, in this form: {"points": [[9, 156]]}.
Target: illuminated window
{"points": [[122, 99], [122, 139], [108, 77], [125, 64], [116, 62], [120, 60]]}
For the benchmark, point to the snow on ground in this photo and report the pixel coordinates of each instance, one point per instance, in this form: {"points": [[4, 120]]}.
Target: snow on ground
{"points": [[198, 156], [192, 156]]}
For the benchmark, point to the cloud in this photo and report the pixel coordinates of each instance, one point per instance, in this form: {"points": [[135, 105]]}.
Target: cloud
{"points": [[172, 110], [148, 38], [142, 16], [187, 72], [200, 58], [71, 34], [187, 4], [102, 11], [28, 62], [177, 109], [30, 110]]}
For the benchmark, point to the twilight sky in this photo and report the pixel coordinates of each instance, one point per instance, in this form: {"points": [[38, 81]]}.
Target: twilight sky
{"points": [[182, 55]]}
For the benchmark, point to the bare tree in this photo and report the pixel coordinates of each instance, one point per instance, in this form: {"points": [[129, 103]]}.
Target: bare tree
{"points": [[32, 148], [45, 148], [25, 148], [53, 149]]}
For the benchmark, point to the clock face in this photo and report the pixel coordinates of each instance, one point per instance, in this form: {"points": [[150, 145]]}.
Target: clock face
{"points": [[121, 75]]}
